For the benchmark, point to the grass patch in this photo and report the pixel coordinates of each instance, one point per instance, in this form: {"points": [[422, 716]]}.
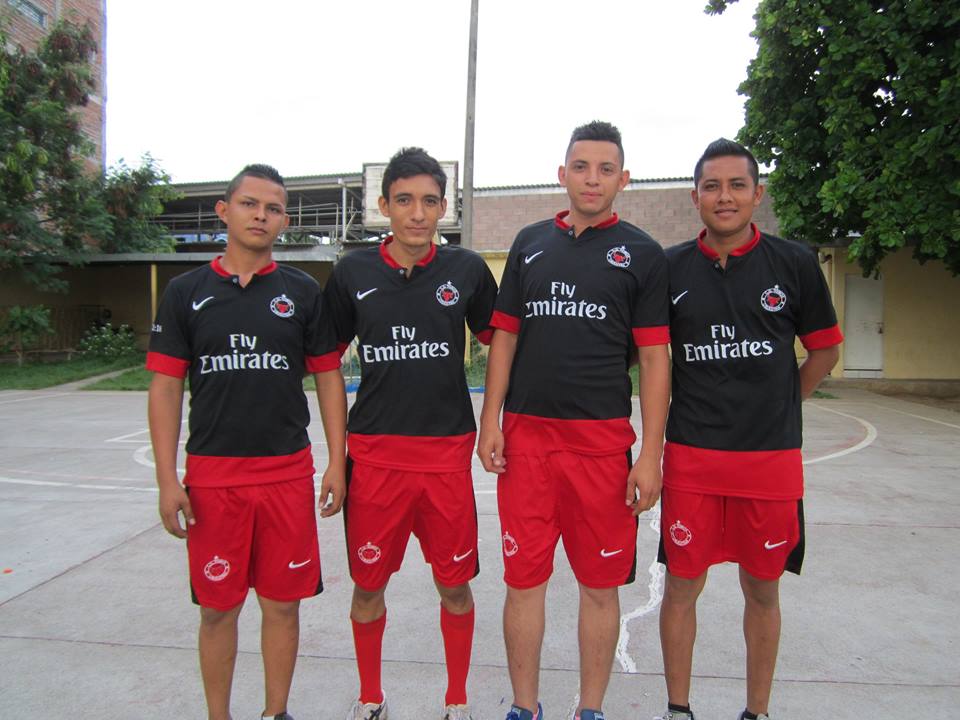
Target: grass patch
{"points": [[137, 378], [821, 395], [34, 376]]}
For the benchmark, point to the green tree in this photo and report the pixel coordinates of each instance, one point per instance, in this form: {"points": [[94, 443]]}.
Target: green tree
{"points": [[53, 207], [856, 106], [22, 327]]}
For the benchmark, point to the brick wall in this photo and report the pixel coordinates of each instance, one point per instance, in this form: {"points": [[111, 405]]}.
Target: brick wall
{"points": [[663, 209]]}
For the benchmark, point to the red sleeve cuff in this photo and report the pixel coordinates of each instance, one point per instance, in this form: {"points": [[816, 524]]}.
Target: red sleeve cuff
{"points": [[502, 321], [167, 365], [819, 339], [485, 336], [323, 363], [658, 335]]}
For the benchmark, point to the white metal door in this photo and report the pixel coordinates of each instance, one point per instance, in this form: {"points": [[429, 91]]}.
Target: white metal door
{"points": [[863, 327]]}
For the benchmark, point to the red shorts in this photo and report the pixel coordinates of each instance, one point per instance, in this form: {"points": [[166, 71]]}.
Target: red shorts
{"points": [[696, 531], [259, 536], [580, 498], [384, 506]]}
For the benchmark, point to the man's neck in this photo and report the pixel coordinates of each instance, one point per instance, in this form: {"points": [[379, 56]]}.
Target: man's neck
{"points": [[724, 245], [579, 222], [407, 257], [244, 263]]}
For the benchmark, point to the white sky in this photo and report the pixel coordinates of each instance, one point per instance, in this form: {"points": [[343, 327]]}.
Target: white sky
{"points": [[322, 86]]}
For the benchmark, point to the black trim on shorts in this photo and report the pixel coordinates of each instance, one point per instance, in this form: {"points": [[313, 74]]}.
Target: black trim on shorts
{"points": [[795, 558], [632, 576], [346, 499]]}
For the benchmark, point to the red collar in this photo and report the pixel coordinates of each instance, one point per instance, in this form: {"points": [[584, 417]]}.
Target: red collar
{"points": [[388, 258], [742, 250], [562, 224], [219, 270]]}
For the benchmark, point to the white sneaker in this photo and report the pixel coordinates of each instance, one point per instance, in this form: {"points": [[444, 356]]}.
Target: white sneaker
{"points": [[760, 716], [368, 711], [456, 712], [675, 715]]}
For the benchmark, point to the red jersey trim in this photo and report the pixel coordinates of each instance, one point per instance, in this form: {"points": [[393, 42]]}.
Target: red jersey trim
{"points": [[323, 363], [563, 225], [167, 365], [220, 471], [388, 258], [219, 269], [742, 250], [502, 321], [413, 453], [485, 336], [758, 474], [656, 335], [819, 339], [538, 436]]}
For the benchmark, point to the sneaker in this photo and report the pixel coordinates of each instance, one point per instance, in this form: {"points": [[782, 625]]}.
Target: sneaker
{"points": [[368, 711], [523, 714], [675, 715], [456, 712], [760, 716], [591, 715], [278, 716]]}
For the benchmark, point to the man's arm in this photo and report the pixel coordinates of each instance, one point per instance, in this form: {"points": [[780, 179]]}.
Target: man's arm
{"points": [[332, 398], [815, 368], [646, 476], [503, 347], [164, 409]]}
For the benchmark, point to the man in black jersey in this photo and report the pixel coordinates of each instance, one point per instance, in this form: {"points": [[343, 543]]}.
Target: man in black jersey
{"points": [[733, 476], [581, 294], [246, 330], [411, 428]]}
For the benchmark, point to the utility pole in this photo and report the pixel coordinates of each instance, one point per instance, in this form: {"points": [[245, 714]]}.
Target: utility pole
{"points": [[466, 237]]}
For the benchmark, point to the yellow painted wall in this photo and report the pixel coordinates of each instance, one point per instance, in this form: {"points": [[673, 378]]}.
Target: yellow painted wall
{"points": [[921, 325]]}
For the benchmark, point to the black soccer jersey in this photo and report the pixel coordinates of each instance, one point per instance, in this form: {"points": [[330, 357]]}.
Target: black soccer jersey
{"points": [[735, 417], [578, 304], [246, 350], [413, 409]]}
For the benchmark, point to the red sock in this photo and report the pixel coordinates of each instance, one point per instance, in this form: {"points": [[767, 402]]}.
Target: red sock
{"points": [[368, 643], [457, 631]]}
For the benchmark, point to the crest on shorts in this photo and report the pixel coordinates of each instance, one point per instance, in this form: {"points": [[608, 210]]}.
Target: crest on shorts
{"points": [[447, 294], [368, 553], [282, 306], [773, 299], [619, 256], [217, 569], [510, 546], [680, 534]]}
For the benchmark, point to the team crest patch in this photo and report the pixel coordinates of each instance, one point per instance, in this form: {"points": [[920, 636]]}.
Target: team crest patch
{"points": [[510, 546], [619, 256], [680, 534], [217, 569], [282, 306], [368, 553], [447, 294], [773, 299]]}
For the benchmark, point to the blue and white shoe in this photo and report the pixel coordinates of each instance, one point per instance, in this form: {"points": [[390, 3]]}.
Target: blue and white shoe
{"points": [[675, 715], [586, 714], [518, 713]]}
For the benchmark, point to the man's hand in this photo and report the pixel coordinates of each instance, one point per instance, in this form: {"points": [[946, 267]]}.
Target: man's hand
{"points": [[490, 449], [644, 483], [333, 489], [173, 501]]}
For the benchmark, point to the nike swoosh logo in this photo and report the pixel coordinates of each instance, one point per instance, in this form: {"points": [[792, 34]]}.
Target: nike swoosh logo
{"points": [[604, 553], [677, 298], [294, 566], [458, 558], [198, 305], [362, 295], [530, 258], [770, 546]]}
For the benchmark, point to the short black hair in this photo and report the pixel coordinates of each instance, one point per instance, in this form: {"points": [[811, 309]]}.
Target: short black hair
{"points": [[410, 162], [597, 130], [721, 148], [257, 170]]}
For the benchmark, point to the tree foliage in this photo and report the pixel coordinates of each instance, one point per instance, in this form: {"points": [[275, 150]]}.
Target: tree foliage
{"points": [[856, 105], [54, 206], [21, 327]]}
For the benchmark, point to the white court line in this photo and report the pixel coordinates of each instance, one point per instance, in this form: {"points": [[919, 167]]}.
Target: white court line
{"points": [[38, 396], [655, 586], [83, 486], [140, 457], [919, 417], [70, 475], [866, 442]]}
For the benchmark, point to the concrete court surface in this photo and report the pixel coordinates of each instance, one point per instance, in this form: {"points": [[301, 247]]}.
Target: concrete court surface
{"points": [[96, 621]]}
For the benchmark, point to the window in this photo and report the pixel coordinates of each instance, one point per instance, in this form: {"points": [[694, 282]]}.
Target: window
{"points": [[30, 10]]}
